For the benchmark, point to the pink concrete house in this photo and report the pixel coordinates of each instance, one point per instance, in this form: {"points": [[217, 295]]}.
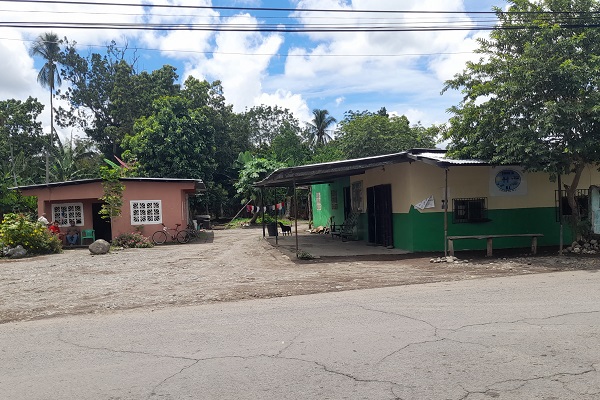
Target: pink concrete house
{"points": [[147, 202]]}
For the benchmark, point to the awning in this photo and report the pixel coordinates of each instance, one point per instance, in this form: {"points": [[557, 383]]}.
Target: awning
{"points": [[328, 172]]}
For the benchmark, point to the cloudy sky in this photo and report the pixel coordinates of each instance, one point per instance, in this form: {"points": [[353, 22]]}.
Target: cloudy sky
{"points": [[403, 71]]}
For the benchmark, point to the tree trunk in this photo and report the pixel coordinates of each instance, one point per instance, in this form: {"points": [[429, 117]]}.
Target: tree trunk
{"points": [[571, 191], [256, 214]]}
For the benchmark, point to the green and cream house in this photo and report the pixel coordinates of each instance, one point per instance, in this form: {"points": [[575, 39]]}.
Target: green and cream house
{"points": [[413, 200]]}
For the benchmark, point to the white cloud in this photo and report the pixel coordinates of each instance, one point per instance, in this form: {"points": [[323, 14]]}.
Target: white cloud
{"points": [[240, 62], [284, 99], [358, 71], [18, 77]]}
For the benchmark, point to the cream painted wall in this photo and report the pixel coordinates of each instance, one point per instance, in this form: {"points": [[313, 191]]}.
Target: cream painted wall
{"points": [[416, 181], [398, 175]]}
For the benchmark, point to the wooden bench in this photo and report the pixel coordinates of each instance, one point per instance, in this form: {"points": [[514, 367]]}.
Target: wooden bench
{"points": [[489, 239]]}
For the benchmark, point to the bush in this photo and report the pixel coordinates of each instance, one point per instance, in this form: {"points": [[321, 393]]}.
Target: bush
{"points": [[132, 240], [16, 229]]}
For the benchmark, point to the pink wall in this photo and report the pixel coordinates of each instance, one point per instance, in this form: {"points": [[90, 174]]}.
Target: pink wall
{"points": [[173, 196]]}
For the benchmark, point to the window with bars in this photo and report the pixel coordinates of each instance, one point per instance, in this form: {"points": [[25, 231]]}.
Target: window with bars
{"points": [[469, 210], [66, 212], [318, 200], [146, 212], [581, 199], [334, 199]]}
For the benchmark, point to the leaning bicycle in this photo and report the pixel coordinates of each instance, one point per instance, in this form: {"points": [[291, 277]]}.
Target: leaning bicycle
{"points": [[161, 237]]}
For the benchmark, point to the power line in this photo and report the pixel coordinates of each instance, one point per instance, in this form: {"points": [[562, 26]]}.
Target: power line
{"points": [[294, 10], [263, 54], [223, 8]]}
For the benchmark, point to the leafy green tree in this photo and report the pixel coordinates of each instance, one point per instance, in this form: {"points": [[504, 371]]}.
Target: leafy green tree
{"points": [[47, 45], [113, 193], [319, 126], [266, 122], [229, 141], [107, 95], [289, 148], [175, 142], [255, 170], [366, 134], [75, 159], [21, 141], [532, 98]]}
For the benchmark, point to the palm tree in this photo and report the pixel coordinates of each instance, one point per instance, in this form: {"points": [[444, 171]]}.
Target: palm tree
{"points": [[47, 46], [74, 160], [318, 127]]}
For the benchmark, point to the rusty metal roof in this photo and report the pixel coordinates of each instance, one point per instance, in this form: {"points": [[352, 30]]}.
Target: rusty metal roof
{"points": [[200, 186], [327, 172]]}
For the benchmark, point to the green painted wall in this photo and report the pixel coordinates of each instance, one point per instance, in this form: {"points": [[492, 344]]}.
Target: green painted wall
{"points": [[321, 217], [422, 232]]}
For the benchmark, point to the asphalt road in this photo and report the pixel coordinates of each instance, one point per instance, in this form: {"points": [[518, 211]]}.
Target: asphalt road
{"points": [[520, 337]]}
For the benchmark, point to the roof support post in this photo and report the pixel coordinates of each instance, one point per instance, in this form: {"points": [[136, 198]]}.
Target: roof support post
{"points": [[262, 201], [296, 216], [445, 203]]}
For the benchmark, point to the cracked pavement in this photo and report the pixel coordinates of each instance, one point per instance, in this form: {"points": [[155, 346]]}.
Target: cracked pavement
{"points": [[518, 337]]}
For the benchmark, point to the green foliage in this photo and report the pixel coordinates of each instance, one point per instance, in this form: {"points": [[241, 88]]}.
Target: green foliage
{"points": [[176, 141], [11, 201], [132, 240], [254, 171], [304, 255], [318, 127], [366, 134], [113, 192], [17, 229], [289, 148], [21, 141], [532, 98], [107, 95], [264, 123], [47, 45], [239, 222], [75, 159]]}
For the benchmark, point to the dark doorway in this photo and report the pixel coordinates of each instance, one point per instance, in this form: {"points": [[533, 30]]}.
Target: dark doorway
{"points": [[347, 202], [379, 215], [101, 225]]}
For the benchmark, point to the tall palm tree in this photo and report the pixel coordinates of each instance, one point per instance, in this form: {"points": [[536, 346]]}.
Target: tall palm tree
{"points": [[47, 46], [319, 125]]}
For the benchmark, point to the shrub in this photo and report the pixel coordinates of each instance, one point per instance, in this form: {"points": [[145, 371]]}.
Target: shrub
{"points": [[132, 240], [16, 229]]}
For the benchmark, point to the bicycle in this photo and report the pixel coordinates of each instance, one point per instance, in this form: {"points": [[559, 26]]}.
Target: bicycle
{"points": [[192, 233], [160, 237]]}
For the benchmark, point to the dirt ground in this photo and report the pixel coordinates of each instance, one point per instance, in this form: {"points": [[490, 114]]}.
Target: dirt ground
{"points": [[237, 265]]}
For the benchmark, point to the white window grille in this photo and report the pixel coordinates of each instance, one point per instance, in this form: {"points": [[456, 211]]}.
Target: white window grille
{"points": [[318, 198], [146, 212], [66, 212]]}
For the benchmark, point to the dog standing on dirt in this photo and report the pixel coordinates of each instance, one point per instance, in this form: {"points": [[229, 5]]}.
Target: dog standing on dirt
{"points": [[285, 229]]}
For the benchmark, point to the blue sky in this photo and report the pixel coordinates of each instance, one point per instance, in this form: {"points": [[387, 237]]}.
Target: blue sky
{"points": [[402, 71]]}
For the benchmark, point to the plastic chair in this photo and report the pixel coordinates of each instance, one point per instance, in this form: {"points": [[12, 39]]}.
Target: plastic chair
{"points": [[88, 234]]}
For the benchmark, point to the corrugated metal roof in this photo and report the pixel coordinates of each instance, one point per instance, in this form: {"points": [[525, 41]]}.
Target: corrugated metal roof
{"points": [[441, 158], [199, 183], [327, 172]]}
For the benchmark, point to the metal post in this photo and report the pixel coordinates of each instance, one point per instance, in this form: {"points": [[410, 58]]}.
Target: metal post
{"points": [[560, 217], [446, 215], [276, 230], [296, 217], [262, 201]]}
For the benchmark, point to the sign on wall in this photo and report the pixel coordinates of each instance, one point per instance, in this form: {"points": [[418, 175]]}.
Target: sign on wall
{"points": [[507, 181]]}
